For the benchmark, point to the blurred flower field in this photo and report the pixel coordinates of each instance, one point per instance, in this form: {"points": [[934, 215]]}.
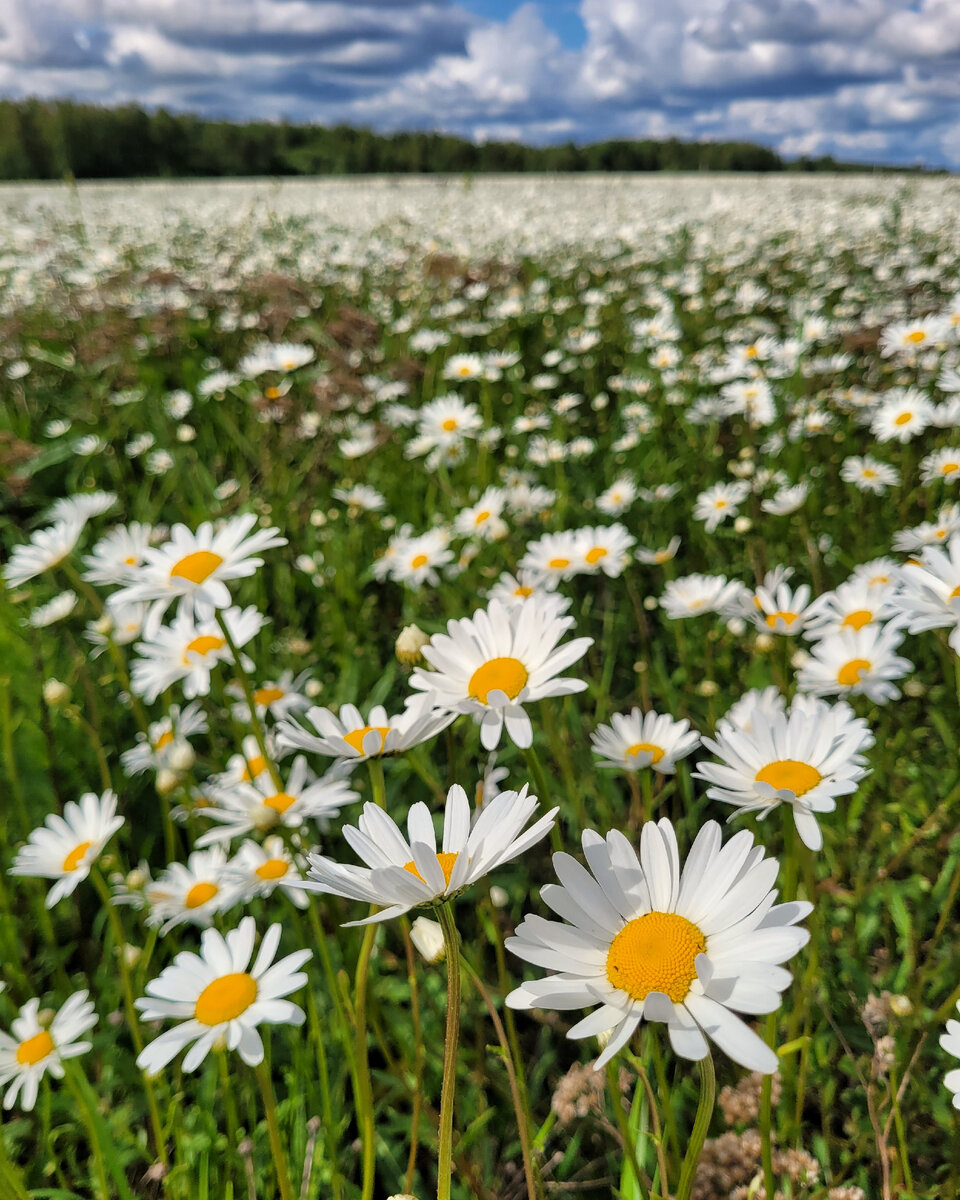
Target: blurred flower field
{"points": [[479, 689]]}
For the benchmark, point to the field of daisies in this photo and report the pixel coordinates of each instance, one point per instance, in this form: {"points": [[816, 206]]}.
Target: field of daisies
{"points": [[479, 689]]}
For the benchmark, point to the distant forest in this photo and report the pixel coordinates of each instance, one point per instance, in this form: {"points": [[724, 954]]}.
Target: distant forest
{"points": [[56, 139]]}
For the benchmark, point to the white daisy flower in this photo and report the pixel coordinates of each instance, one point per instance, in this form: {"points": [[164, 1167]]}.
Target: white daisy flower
{"points": [[351, 737], [483, 520], [869, 474], [929, 592], [65, 848], [941, 464], [604, 548], [856, 662], [787, 500], [463, 367], [259, 870], [192, 892], [284, 356], [82, 507], [34, 1049], [57, 609], [258, 806], [276, 698], [217, 994], [644, 939], [492, 664], [115, 558], [554, 556], [416, 559], [719, 502], [637, 739], [407, 872], [928, 533], [781, 609], [164, 740], [658, 557], [195, 568], [805, 758], [46, 549], [853, 605], [361, 496], [697, 595], [912, 337], [950, 1041], [900, 418], [618, 497], [755, 705], [186, 652]]}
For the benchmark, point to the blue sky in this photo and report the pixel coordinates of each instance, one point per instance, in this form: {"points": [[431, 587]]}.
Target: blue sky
{"points": [[865, 80]]}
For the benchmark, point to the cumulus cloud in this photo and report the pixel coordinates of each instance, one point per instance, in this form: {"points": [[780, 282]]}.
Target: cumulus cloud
{"points": [[863, 79]]}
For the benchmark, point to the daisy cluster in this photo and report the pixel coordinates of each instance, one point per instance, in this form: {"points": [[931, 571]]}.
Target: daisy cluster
{"points": [[379, 549]]}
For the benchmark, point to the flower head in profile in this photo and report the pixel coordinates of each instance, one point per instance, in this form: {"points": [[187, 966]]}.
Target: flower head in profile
{"points": [[351, 737], [35, 1049], [498, 660], [217, 994], [646, 939], [46, 549], [65, 848], [194, 568], [405, 872], [636, 740]]}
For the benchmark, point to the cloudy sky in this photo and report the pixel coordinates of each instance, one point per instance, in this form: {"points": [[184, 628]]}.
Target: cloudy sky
{"points": [[871, 80]]}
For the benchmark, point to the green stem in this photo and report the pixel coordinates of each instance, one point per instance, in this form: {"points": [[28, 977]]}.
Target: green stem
{"points": [[364, 1085], [445, 1157], [766, 1095], [631, 1176], [247, 687], [273, 1129], [708, 1090]]}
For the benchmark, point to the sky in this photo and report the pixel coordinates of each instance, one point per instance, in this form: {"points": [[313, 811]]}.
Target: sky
{"points": [[864, 80]]}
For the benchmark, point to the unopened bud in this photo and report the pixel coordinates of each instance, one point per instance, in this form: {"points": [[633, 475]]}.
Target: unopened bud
{"points": [[131, 955], [136, 879], [765, 642], [707, 687], [167, 780], [181, 756], [45, 1017], [737, 626], [55, 693], [104, 625], [742, 525], [650, 603], [799, 659], [427, 936], [901, 1006], [410, 644], [498, 896]]}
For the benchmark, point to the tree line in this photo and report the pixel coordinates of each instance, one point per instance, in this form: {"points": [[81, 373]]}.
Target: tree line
{"points": [[53, 139]]}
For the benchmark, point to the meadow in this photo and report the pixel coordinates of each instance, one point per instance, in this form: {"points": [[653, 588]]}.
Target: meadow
{"points": [[479, 684]]}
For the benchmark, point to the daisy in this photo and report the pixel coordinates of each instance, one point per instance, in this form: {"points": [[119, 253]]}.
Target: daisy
{"points": [[158, 747], [853, 605], [646, 939], [804, 758], [258, 806], [120, 623], [259, 870], [604, 548], [757, 705], [869, 474], [781, 609], [194, 568], [881, 573], [554, 556], [351, 737], [417, 558], [404, 873], [463, 367], [276, 698], [285, 356], [494, 663], [65, 848], [618, 497], [115, 558], [35, 1049], [696, 595], [57, 609], [928, 533], [361, 496], [636, 740], [192, 892], [941, 464], [83, 506], [910, 337], [187, 652], [719, 502], [46, 549], [856, 662], [216, 995], [483, 519], [445, 421], [929, 592], [787, 500], [658, 557], [949, 1041], [902, 416]]}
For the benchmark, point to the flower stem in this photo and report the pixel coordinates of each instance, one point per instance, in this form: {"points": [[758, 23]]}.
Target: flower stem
{"points": [[273, 1129], [708, 1091], [247, 687], [766, 1094], [445, 1158], [364, 1086]]}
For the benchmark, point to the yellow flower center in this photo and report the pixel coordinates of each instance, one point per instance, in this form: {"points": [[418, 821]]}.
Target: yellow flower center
{"points": [[130, 561], [273, 868], [273, 393], [268, 695], [482, 516], [226, 998], [594, 555], [256, 767], [523, 591], [558, 563], [203, 645], [954, 594], [645, 748], [196, 567], [662, 556], [719, 504], [75, 857], [797, 777], [464, 371], [280, 801], [445, 858], [869, 473], [449, 425], [163, 740], [849, 674], [419, 560], [655, 953], [199, 894], [857, 620], [355, 737], [916, 337], [34, 1049], [507, 675], [787, 618], [948, 468], [903, 419]]}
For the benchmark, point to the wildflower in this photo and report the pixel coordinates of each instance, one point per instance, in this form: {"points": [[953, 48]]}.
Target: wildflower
{"points": [[856, 662], [217, 994], [696, 595], [636, 740], [65, 848], [192, 892], [352, 738], [153, 749], [407, 872], [658, 557], [869, 474], [46, 549], [115, 558], [260, 869], [719, 502], [35, 1049], [647, 940]]}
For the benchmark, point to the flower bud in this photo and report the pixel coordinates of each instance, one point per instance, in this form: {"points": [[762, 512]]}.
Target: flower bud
{"points": [[901, 1006], [45, 1017], [136, 879], [498, 896], [181, 756], [55, 693], [167, 780], [765, 642], [742, 525], [707, 687], [427, 936], [410, 645], [131, 955]]}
